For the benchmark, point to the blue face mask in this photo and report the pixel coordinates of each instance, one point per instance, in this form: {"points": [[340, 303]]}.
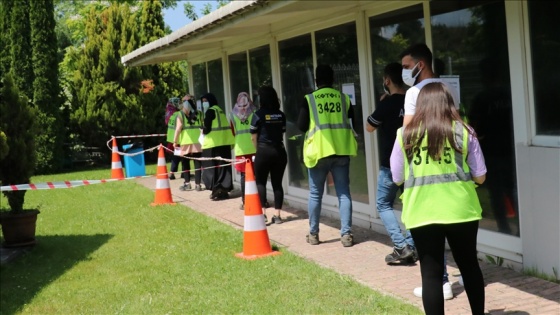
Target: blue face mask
{"points": [[205, 106]]}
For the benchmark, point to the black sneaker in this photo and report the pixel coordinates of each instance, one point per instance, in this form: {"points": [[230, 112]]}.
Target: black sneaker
{"points": [[172, 176], [399, 254], [197, 187]]}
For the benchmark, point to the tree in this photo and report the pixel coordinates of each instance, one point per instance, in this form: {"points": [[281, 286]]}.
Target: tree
{"points": [[45, 86], [20, 47], [17, 121], [5, 38]]}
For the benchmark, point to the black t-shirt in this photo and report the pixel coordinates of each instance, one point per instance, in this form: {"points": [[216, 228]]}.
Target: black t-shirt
{"points": [[387, 118], [270, 126]]}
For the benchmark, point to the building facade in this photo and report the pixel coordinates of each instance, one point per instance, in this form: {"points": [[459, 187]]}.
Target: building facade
{"points": [[498, 54]]}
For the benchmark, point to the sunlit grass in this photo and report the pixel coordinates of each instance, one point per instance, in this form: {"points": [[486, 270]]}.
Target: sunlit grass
{"points": [[102, 249]]}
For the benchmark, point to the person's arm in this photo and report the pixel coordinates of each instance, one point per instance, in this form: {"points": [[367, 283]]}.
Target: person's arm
{"points": [[377, 117], [475, 160], [208, 117], [407, 119], [303, 117], [397, 162], [254, 137], [178, 129]]}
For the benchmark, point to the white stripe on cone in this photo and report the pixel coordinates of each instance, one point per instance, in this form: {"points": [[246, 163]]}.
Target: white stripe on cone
{"points": [[162, 183], [161, 161], [254, 223], [116, 165], [251, 188]]}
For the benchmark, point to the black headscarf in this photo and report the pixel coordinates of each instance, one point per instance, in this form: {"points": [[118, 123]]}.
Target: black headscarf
{"points": [[210, 98]]}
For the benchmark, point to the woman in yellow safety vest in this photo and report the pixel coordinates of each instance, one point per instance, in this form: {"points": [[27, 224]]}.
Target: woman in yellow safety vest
{"points": [[187, 132], [241, 116], [216, 149], [439, 159]]}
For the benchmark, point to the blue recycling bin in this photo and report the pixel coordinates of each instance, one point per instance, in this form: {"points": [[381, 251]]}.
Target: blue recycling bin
{"points": [[134, 165]]}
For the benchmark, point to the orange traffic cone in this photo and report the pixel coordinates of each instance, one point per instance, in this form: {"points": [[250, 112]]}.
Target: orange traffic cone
{"points": [[255, 236], [510, 210], [116, 165], [163, 192]]}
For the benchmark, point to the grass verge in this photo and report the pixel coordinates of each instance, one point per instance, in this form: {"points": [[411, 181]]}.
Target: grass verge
{"points": [[103, 250]]}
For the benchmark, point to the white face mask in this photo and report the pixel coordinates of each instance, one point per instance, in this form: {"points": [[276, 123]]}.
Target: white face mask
{"points": [[205, 106], [407, 77]]}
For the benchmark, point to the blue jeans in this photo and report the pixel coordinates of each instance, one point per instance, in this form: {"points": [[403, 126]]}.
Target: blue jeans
{"points": [[339, 167], [386, 193]]}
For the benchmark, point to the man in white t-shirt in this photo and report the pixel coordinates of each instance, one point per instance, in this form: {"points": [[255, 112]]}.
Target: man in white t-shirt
{"points": [[417, 71]]}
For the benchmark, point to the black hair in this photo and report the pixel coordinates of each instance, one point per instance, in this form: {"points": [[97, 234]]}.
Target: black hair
{"points": [[324, 75], [419, 52], [268, 97], [394, 72]]}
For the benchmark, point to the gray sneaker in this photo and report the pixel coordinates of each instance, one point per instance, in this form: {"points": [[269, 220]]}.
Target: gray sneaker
{"points": [[347, 240], [313, 239], [185, 187], [400, 254]]}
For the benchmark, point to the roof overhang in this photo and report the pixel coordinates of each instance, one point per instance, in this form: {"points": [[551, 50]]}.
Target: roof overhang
{"points": [[235, 23]]}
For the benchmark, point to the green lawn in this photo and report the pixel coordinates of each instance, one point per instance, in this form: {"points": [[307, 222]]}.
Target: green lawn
{"points": [[102, 249]]}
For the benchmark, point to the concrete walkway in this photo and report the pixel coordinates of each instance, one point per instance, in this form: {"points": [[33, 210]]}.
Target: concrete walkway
{"points": [[507, 291]]}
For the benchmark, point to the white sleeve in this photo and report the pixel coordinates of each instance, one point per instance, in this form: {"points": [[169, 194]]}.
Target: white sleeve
{"points": [[410, 101]]}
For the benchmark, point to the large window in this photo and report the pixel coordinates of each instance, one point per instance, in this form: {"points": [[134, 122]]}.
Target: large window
{"points": [[261, 74], [296, 66], [338, 47], [238, 75], [199, 80], [391, 33], [545, 45], [216, 81], [470, 46]]}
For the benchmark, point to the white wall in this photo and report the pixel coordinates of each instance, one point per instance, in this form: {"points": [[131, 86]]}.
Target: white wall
{"points": [[539, 199]]}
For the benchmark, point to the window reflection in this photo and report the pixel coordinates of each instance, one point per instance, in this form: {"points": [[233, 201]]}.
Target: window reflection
{"points": [[470, 42], [545, 44], [261, 73], [337, 46], [238, 75], [216, 81], [199, 80], [296, 70]]}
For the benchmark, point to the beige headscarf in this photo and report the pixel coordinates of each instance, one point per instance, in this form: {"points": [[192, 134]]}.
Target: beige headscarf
{"points": [[243, 107]]}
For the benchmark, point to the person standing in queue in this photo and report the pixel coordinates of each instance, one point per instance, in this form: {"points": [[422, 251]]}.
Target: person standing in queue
{"points": [[268, 126], [438, 158], [217, 143], [326, 116], [387, 118], [185, 139], [171, 112], [241, 116]]}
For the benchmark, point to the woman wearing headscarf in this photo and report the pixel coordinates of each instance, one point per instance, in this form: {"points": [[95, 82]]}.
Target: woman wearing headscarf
{"points": [[241, 123], [171, 111], [187, 132], [218, 140]]}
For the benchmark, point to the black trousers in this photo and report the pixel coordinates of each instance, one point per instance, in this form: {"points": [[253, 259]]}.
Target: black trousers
{"points": [[430, 243], [215, 175], [270, 159], [186, 165]]}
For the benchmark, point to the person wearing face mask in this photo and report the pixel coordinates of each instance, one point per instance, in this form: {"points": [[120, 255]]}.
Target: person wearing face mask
{"points": [[241, 116], [185, 139], [218, 141], [387, 118], [417, 71], [172, 110]]}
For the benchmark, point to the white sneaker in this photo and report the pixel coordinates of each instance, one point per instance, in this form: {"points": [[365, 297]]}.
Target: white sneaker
{"points": [[461, 281], [447, 292]]}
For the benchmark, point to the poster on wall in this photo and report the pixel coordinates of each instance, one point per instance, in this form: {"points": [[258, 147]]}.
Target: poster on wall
{"points": [[348, 89], [453, 80]]}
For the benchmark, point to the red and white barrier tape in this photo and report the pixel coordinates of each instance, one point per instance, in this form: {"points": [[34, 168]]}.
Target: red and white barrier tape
{"points": [[141, 136], [86, 182]]}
